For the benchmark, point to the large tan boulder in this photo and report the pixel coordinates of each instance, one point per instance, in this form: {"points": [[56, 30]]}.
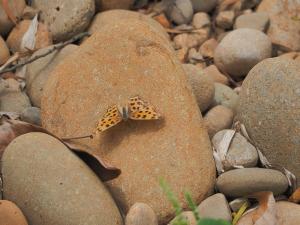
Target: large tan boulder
{"points": [[119, 62], [269, 108]]}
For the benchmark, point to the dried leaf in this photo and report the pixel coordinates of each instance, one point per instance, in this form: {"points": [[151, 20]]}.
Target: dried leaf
{"points": [[8, 12], [10, 129], [295, 197], [265, 214], [240, 213]]}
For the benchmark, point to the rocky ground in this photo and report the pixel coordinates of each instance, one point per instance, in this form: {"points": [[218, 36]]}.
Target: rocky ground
{"points": [[224, 76]]}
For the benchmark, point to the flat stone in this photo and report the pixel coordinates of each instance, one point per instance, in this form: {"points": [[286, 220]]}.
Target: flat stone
{"points": [[202, 85], [43, 36], [215, 207], [141, 214], [242, 182], [240, 152], [38, 72], [269, 109], [218, 118], [120, 62], [10, 214], [225, 96], [51, 185], [16, 8], [242, 49], [64, 19], [259, 21]]}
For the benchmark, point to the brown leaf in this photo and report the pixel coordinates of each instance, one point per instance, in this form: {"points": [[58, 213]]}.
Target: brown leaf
{"points": [[265, 214], [8, 12], [295, 197], [10, 129]]}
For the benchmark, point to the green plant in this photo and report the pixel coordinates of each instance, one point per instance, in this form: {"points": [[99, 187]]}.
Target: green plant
{"points": [[178, 209]]}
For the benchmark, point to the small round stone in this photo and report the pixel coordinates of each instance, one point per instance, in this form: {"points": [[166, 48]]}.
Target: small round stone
{"points": [[200, 20], [225, 96], [31, 115], [141, 214], [242, 49]]}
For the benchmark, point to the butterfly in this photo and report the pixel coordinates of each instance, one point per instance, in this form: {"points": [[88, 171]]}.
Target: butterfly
{"points": [[136, 109]]}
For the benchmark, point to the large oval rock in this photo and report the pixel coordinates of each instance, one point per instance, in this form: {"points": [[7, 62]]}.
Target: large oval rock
{"points": [[122, 61], [64, 19], [53, 186], [269, 109], [242, 49], [10, 214]]}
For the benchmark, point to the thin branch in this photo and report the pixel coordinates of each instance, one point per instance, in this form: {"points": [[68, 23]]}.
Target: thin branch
{"points": [[54, 48]]}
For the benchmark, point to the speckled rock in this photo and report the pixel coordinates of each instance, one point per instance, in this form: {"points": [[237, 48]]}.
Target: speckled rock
{"points": [[112, 17], [204, 5], [102, 5], [202, 85], [287, 214], [32, 157], [242, 182], [284, 30], [64, 19], [180, 11], [31, 115], [4, 51], [13, 100], [218, 118], [153, 72], [141, 214], [10, 214], [268, 107], [16, 7], [215, 207], [216, 75], [38, 72], [43, 36], [259, 21], [188, 216], [240, 152], [225, 96], [242, 49]]}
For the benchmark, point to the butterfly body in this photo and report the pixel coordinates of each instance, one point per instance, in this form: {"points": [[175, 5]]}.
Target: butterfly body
{"points": [[136, 109]]}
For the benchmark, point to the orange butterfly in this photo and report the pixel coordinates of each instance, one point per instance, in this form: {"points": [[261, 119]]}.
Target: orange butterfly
{"points": [[136, 109]]}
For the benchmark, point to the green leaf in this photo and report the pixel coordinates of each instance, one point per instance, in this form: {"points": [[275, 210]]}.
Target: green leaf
{"points": [[208, 221]]}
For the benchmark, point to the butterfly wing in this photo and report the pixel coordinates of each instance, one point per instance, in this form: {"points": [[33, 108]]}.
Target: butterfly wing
{"points": [[141, 110], [110, 119]]}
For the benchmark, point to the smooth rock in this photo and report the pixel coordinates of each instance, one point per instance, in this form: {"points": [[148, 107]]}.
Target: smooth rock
{"points": [[225, 96], [13, 101], [102, 5], [39, 71], [201, 20], [242, 49], [202, 85], [240, 151], [64, 19], [4, 51], [242, 182], [215, 207], [120, 62], [112, 18], [259, 21], [225, 19], [43, 36], [31, 115], [16, 7], [284, 30], [287, 213], [207, 49], [216, 75], [218, 118], [192, 40], [141, 214], [204, 5], [268, 107], [180, 11], [51, 185], [10, 214], [188, 216]]}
